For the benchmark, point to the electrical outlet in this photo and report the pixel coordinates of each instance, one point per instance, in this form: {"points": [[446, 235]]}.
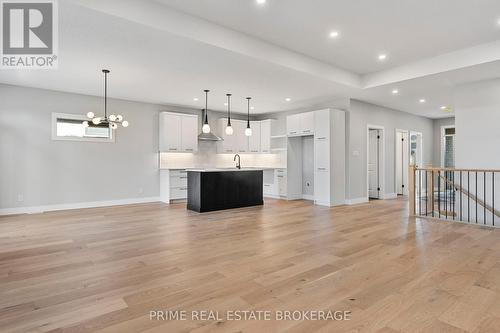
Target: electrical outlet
{"points": [[20, 197], [308, 184]]}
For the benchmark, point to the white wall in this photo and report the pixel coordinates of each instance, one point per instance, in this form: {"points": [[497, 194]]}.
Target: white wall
{"points": [[438, 123], [477, 123], [360, 115]]}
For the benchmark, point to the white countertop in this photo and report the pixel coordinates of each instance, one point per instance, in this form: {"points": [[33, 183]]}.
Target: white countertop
{"points": [[224, 169]]}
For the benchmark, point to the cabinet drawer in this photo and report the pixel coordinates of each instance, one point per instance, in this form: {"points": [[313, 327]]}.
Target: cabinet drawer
{"points": [[178, 193], [178, 173], [178, 181]]}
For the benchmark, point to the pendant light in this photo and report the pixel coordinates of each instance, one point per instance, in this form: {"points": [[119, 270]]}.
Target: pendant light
{"points": [[248, 130], [113, 120], [229, 128], [206, 127], [206, 134]]}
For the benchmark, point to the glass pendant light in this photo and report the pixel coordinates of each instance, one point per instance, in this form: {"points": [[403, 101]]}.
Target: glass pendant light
{"points": [[206, 127], [229, 128], [248, 130], [112, 120]]}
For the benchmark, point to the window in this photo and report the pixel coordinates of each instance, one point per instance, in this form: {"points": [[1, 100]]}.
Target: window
{"points": [[70, 127], [448, 147]]}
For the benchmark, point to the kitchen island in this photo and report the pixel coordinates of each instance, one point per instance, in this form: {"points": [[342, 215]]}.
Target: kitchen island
{"points": [[218, 189]]}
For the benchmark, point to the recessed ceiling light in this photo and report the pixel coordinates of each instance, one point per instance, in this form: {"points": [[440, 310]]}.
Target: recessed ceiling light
{"points": [[195, 99], [288, 99], [261, 2], [422, 100], [382, 57], [395, 91], [334, 34]]}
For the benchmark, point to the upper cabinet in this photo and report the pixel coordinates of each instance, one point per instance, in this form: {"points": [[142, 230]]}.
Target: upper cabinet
{"points": [[265, 136], [300, 124], [238, 142], [178, 132], [254, 139]]}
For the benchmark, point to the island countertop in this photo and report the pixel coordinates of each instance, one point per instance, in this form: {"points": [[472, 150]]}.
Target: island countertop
{"points": [[224, 169]]}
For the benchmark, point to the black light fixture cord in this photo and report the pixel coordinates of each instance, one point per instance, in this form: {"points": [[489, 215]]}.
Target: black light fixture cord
{"points": [[228, 109], [248, 112], [206, 106], [105, 95]]}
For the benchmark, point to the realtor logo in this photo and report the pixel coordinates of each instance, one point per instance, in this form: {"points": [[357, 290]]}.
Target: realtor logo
{"points": [[29, 34]]}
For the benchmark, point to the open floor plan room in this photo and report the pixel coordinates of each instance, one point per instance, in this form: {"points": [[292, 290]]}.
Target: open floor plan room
{"points": [[249, 166], [104, 269]]}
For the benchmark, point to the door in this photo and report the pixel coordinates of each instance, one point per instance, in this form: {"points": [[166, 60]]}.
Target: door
{"points": [[254, 139], [402, 162], [189, 134], [374, 163]]}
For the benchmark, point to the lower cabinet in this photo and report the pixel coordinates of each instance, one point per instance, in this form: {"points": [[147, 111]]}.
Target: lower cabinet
{"points": [[275, 183], [173, 185]]}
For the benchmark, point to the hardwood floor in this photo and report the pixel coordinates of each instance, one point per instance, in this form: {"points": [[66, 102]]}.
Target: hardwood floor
{"points": [[105, 269]]}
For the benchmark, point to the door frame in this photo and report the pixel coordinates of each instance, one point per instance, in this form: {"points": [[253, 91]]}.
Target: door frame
{"points": [[442, 144], [421, 157], [396, 131], [381, 166]]}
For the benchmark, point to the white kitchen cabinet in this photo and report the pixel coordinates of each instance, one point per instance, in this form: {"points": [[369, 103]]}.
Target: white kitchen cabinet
{"points": [[173, 185], [300, 124], [307, 124], [293, 125], [239, 132], [170, 132], [254, 139], [178, 132], [189, 133], [228, 145], [281, 181], [265, 136]]}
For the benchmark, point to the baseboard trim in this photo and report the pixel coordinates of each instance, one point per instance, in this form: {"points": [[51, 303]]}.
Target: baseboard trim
{"points": [[389, 196], [76, 205], [308, 197], [356, 201]]}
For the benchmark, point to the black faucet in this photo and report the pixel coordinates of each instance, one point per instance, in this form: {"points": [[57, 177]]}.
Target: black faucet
{"points": [[238, 164]]}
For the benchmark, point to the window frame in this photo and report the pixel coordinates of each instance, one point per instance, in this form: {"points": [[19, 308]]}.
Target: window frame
{"points": [[72, 116], [443, 142]]}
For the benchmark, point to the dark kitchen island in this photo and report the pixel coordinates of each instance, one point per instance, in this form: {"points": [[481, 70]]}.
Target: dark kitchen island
{"points": [[218, 189]]}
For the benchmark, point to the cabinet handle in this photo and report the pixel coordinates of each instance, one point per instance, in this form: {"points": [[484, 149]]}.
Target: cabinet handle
{"points": [[172, 148], [322, 169], [189, 149], [254, 151], [183, 188], [265, 151], [280, 176], [293, 132], [183, 177], [322, 138], [306, 131]]}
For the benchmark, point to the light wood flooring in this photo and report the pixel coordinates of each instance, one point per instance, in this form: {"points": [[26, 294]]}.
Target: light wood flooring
{"points": [[105, 269]]}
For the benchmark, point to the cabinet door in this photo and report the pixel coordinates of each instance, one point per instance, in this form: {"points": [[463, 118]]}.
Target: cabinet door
{"points": [[170, 136], [293, 125], [254, 139], [239, 132], [307, 123], [322, 187], [228, 144], [265, 136], [189, 136], [281, 175], [322, 124]]}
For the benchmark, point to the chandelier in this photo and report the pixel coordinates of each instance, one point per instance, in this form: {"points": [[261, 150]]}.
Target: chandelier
{"points": [[113, 120]]}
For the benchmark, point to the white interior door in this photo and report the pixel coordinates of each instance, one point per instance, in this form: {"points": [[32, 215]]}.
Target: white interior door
{"points": [[402, 162], [373, 164]]}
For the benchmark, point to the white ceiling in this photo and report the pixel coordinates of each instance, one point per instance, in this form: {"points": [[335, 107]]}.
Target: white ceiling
{"points": [[160, 55], [405, 30]]}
